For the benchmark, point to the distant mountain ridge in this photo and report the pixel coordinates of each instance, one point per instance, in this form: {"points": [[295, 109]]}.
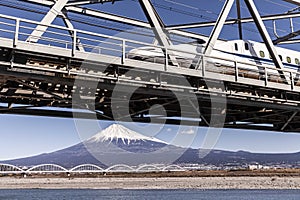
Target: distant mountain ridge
{"points": [[104, 144]]}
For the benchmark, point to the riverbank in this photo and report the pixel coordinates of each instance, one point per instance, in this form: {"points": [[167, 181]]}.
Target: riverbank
{"points": [[152, 183]]}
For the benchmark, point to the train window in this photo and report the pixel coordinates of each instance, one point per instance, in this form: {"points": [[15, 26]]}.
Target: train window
{"points": [[280, 56], [262, 54], [288, 59], [246, 46], [297, 61], [236, 46]]}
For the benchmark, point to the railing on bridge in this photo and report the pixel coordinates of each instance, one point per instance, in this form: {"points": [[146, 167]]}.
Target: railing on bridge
{"points": [[19, 30]]}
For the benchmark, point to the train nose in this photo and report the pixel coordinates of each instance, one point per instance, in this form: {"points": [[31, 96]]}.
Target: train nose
{"points": [[133, 54]]}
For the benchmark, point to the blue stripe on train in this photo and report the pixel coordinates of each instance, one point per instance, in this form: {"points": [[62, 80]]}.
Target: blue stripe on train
{"points": [[257, 59]]}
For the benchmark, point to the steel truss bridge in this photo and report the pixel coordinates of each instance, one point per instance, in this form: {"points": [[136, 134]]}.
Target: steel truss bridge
{"points": [[44, 65]]}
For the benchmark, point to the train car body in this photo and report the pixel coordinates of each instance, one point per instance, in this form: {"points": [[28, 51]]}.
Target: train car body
{"points": [[251, 56]]}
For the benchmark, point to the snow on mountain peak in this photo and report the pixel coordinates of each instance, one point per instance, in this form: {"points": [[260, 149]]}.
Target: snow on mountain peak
{"points": [[119, 132]]}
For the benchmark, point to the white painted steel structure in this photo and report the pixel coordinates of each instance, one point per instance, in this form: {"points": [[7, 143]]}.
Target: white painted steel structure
{"points": [[45, 59], [85, 168], [67, 48]]}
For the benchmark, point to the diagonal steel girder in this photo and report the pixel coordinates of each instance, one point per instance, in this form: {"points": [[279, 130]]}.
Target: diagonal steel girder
{"points": [[57, 7], [47, 20], [266, 37], [158, 27], [289, 120], [156, 23], [218, 27]]}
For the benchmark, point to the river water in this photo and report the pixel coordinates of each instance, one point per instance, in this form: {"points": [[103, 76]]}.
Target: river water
{"points": [[120, 194]]}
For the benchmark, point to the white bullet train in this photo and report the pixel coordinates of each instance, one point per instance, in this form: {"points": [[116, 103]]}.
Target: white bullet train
{"points": [[250, 55]]}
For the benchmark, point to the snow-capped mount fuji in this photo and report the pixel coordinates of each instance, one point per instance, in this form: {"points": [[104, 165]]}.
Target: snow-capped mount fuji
{"points": [[118, 144], [117, 132], [117, 137]]}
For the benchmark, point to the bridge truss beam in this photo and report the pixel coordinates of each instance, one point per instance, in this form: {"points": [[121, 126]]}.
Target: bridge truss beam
{"points": [[234, 21], [116, 18], [38, 76], [175, 29], [41, 86]]}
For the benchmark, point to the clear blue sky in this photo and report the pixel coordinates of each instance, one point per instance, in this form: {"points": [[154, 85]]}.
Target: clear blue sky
{"points": [[25, 135]]}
